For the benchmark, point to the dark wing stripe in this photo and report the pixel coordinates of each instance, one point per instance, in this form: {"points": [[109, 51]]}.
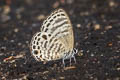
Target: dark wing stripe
{"points": [[57, 26]]}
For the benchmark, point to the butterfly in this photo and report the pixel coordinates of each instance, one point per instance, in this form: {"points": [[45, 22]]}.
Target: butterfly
{"points": [[55, 40]]}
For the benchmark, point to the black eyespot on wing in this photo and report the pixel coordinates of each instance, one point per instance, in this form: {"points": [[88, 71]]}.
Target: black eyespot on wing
{"points": [[51, 20], [49, 17], [55, 40], [38, 39], [35, 38], [58, 15], [46, 30], [38, 34], [34, 46], [49, 35], [45, 21], [41, 43], [54, 17], [42, 28], [37, 43], [35, 52], [45, 44], [63, 14], [38, 47], [48, 24], [34, 42], [44, 36]]}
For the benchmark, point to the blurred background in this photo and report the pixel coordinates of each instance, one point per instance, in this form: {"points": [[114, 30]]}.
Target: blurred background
{"points": [[96, 25]]}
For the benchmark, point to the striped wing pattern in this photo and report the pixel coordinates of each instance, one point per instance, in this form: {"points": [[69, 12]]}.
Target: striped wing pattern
{"points": [[55, 39]]}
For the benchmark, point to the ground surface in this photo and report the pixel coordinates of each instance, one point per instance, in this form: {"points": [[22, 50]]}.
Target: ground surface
{"points": [[96, 25]]}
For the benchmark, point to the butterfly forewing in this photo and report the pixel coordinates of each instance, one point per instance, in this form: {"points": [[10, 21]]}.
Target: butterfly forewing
{"points": [[59, 25], [55, 39]]}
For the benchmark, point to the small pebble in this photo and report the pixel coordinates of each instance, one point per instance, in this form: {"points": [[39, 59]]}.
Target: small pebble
{"points": [[3, 49], [69, 1], [6, 9], [118, 36], [78, 25], [12, 41], [62, 78], [41, 17], [112, 3], [110, 44], [108, 27], [56, 4], [27, 42], [92, 55], [96, 26], [19, 44], [16, 30]]}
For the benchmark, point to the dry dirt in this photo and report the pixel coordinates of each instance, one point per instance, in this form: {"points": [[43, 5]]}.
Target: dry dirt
{"points": [[96, 25]]}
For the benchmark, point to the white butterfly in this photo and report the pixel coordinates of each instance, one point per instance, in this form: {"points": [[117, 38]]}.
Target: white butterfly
{"points": [[55, 40]]}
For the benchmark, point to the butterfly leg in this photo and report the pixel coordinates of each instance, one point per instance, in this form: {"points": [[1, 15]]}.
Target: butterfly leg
{"points": [[70, 61], [63, 61], [74, 59]]}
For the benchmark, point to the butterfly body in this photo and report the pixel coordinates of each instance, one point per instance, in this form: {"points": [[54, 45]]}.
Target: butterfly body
{"points": [[55, 39]]}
